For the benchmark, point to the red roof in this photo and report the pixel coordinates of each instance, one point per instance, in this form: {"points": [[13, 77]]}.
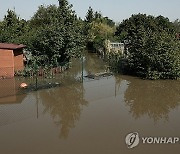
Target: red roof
{"points": [[11, 46]]}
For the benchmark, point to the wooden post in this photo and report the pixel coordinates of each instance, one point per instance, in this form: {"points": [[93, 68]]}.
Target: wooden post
{"points": [[82, 68]]}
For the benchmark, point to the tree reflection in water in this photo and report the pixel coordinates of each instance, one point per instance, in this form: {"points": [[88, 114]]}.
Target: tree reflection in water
{"points": [[153, 98], [94, 64], [64, 105], [66, 102]]}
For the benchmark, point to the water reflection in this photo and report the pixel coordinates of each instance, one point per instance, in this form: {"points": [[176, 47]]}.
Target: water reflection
{"points": [[8, 91], [98, 107], [152, 98], [65, 103], [94, 64]]}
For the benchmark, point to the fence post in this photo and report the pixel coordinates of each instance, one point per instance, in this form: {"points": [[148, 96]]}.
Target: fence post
{"points": [[36, 71], [82, 59]]}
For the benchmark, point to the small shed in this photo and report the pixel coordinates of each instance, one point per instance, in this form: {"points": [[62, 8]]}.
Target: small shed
{"points": [[11, 59]]}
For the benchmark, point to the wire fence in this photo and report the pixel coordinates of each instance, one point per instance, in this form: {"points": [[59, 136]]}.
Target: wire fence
{"points": [[35, 79]]}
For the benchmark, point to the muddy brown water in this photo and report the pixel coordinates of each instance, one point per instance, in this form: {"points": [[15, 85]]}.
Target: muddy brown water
{"points": [[92, 117]]}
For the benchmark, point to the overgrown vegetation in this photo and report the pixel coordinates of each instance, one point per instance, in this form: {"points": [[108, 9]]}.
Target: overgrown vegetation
{"points": [[55, 34], [154, 50], [97, 30]]}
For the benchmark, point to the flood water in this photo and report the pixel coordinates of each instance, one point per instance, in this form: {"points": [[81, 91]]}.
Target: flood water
{"points": [[92, 117]]}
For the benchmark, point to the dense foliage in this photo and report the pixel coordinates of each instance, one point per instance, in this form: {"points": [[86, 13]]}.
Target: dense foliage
{"points": [[153, 49], [177, 25], [53, 35], [12, 28], [97, 29], [59, 34]]}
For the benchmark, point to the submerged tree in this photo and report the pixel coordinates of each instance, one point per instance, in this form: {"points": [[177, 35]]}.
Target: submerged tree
{"points": [[154, 51], [53, 35], [58, 33]]}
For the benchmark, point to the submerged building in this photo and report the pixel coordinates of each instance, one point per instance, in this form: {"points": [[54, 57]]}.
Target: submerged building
{"points": [[11, 59]]}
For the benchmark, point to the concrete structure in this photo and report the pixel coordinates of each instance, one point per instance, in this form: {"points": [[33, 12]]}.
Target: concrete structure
{"points": [[11, 59], [115, 47]]}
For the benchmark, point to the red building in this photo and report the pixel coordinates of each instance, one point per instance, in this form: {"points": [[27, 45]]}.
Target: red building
{"points": [[11, 59]]}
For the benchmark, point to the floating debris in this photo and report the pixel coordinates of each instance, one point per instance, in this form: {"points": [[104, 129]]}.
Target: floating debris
{"points": [[23, 85], [99, 75], [32, 87]]}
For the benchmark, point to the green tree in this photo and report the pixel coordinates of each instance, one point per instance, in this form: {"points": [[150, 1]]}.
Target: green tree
{"points": [[97, 29], [12, 27], [44, 16], [108, 21], [177, 25], [154, 52], [58, 35], [97, 15], [99, 32], [90, 15]]}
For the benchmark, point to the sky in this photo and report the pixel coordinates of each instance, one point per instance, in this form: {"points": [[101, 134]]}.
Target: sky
{"points": [[114, 9]]}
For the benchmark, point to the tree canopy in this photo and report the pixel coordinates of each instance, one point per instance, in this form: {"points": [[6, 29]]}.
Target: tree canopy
{"points": [[97, 29], [59, 32], [12, 28], [154, 51], [53, 34]]}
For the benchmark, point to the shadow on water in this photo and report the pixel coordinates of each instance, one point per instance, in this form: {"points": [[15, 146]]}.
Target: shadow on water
{"points": [[152, 98]]}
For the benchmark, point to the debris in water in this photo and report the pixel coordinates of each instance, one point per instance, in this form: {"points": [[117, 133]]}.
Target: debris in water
{"points": [[23, 85], [99, 75], [32, 87]]}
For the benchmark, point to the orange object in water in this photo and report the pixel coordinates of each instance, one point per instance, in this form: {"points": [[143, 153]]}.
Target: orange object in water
{"points": [[23, 85]]}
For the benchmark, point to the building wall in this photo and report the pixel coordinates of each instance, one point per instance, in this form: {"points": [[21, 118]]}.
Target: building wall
{"points": [[18, 60], [6, 63]]}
